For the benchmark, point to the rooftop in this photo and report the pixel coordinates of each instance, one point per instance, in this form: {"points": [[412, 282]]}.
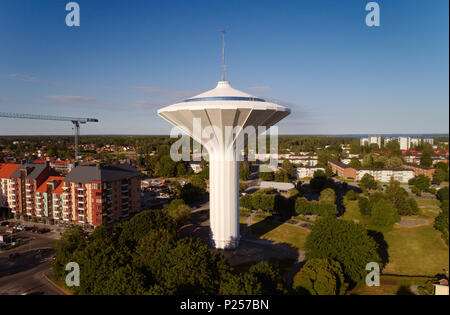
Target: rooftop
{"points": [[34, 170], [97, 173], [7, 169]]}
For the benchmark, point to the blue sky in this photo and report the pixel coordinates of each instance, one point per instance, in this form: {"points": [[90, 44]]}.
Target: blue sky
{"points": [[129, 58]]}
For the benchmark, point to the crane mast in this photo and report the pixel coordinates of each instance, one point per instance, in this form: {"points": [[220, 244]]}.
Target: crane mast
{"points": [[76, 121]]}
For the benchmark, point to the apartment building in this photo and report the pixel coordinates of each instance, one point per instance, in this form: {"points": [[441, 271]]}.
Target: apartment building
{"points": [[371, 140], [6, 170], [24, 183], [48, 199], [420, 169], [307, 171], [89, 194], [405, 143], [385, 175], [382, 175], [342, 170], [94, 194]]}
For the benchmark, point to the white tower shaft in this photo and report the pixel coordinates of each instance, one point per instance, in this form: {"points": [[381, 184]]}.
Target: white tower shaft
{"points": [[224, 206]]}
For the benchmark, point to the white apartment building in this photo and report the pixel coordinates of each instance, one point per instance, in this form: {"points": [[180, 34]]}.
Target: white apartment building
{"points": [[428, 140], [414, 142], [370, 140], [405, 143], [385, 175], [307, 171]]}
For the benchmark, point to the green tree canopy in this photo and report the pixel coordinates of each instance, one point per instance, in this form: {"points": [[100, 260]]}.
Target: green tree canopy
{"points": [[320, 277], [344, 241]]}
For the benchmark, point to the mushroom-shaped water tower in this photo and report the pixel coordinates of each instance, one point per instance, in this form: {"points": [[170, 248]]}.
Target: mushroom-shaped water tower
{"points": [[221, 115]]}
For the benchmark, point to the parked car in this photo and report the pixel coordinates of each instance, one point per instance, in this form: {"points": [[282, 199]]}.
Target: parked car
{"points": [[4, 223]]}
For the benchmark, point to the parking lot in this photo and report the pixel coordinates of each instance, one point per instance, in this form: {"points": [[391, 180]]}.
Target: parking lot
{"points": [[26, 268]]}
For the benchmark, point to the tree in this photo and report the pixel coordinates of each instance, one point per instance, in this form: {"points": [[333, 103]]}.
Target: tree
{"points": [[73, 240], [439, 176], [327, 196], [190, 193], [400, 199], [281, 176], [266, 176], [189, 267], [420, 183], [288, 168], [355, 163], [442, 220], [368, 182], [302, 206], [426, 160], [320, 277], [269, 277], [179, 211], [139, 225], [383, 213], [351, 195], [181, 169], [246, 201], [240, 284], [344, 241], [443, 193], [326, 209], [364, 208], [167, 167], [244, 171]]}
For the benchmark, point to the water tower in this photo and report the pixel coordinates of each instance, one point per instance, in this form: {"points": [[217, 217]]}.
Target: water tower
{"points": [[224, 111]]}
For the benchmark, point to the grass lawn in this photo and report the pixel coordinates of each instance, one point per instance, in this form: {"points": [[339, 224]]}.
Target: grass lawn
{"points": [[352, 211], [389, 285], [416, 251], [280, 233], [428, 202]]}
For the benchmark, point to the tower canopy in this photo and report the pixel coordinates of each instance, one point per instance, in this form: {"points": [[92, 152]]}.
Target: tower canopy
{"points": [[223, 106]]}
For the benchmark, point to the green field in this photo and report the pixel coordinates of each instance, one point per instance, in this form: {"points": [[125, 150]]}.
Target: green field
{"points": [[352, 211], [416, 251], [280, 233]]}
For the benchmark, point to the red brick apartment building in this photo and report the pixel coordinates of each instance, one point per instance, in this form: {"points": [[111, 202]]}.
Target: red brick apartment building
{"points": [[23, 186], [88, 195], [420, 169], [343, 170]]}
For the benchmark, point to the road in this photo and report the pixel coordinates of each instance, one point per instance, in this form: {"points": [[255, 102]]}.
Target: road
{"points": [[28, 273]]}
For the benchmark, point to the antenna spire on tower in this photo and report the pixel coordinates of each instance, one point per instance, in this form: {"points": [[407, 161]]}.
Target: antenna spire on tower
{"points": [[223, 54]]}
